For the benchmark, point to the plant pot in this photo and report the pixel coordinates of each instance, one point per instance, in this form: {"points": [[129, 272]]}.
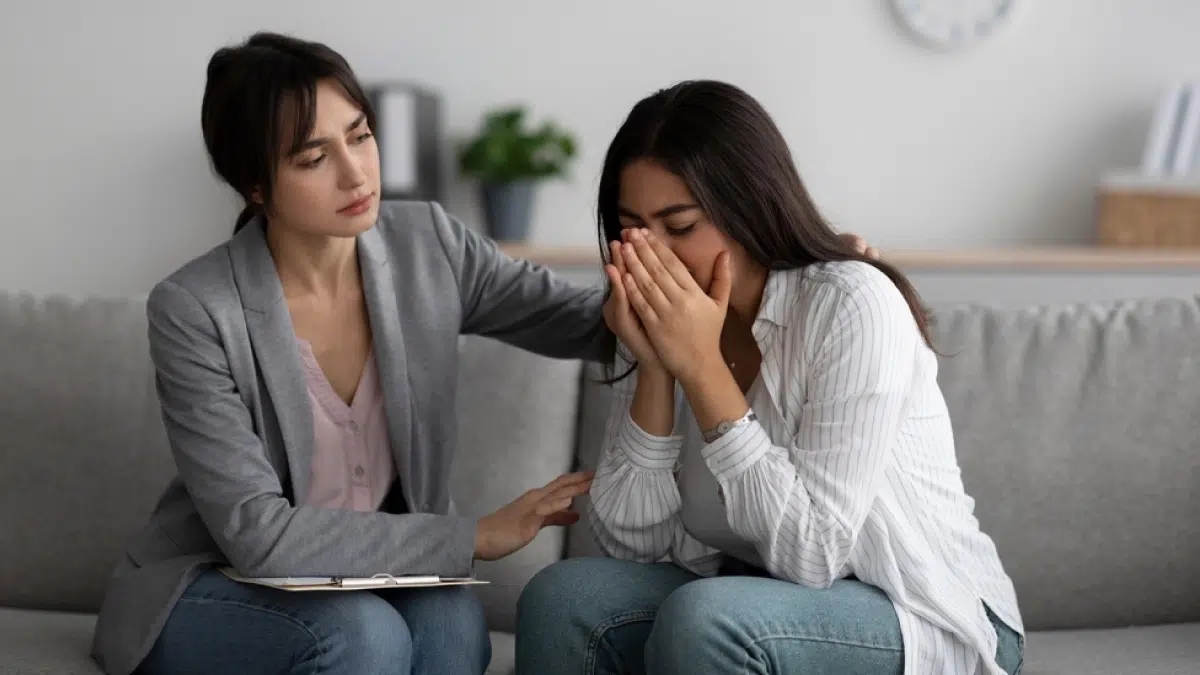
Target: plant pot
{"points": [[508, 209]]}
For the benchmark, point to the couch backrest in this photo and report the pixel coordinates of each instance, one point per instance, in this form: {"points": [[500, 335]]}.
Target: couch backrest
{"points": [[516, 432], [83, 454], [1078, 432]]}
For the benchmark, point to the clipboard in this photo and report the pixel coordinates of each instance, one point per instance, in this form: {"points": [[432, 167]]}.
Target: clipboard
{"points": [[378, 581]]}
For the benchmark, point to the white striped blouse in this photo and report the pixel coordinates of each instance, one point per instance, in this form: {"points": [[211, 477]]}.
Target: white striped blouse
{"points": [[849, 470]]}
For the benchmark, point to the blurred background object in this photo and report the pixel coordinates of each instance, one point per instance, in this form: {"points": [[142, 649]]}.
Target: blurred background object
{"points": [[509, 159]]}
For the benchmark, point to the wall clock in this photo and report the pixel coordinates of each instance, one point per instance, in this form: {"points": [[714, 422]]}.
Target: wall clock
{"points": [[953, 24]]}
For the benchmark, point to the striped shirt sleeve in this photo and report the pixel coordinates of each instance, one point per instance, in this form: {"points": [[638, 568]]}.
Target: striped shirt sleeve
{"points": [[803, 504], [635, 504]]}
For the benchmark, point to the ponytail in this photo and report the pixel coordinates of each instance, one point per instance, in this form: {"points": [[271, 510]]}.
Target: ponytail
{"points": [[244, 217]]}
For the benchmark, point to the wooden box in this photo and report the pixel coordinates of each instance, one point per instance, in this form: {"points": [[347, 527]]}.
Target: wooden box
{"points": [[1149, 212]]}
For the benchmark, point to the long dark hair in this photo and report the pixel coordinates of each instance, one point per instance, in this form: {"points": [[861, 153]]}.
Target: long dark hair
{"points": [[253, 90], [728, 151]]}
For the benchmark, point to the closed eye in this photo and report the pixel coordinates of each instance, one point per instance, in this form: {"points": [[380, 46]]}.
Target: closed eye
{"points": [[680, 231]]}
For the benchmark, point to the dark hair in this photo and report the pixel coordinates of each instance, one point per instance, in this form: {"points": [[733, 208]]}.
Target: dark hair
{"points": [[733, 158], [253, 90]]}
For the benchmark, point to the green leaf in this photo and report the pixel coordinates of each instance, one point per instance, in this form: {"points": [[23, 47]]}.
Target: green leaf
{"points": [[505, 150]]}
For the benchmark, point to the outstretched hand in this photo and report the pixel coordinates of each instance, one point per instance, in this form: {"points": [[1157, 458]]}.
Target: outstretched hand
{"points": [[515, 525]]}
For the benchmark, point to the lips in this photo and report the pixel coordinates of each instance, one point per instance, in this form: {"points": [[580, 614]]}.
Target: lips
{"points": [[357, 206]]}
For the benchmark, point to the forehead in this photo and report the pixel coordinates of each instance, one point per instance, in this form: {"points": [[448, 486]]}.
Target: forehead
{"points": [[334, 107], [323, 112], [647, 187]]}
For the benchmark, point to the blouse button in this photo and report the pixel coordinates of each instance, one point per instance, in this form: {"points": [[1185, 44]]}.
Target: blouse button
{"points": [[359, 471]]}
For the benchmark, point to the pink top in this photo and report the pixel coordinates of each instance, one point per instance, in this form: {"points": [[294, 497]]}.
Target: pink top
{"points": [[352, 466]]}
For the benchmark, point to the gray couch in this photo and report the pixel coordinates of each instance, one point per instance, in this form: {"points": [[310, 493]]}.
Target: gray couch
{"points": [[1078, 430]]}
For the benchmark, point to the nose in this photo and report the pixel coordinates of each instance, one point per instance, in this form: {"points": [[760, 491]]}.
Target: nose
{"points": [[352, 174]]}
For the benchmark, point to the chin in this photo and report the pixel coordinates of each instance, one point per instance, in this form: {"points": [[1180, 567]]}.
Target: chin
{"points": [[352, 226]]}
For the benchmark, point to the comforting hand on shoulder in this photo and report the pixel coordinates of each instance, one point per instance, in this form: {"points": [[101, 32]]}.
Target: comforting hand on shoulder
{"points": [[682, 322]]}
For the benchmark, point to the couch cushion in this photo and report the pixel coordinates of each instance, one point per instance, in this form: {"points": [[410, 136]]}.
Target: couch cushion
{"points": [[83, 448], [34, 642], [595, 399], [504, 654], [1155, 650], [516, 432], [1078, 433]]}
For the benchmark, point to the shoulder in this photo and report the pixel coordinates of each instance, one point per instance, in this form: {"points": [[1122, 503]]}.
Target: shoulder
{"points": [[846, 298], [204, 280], [835, 285], [407, 217], [419, 225]]}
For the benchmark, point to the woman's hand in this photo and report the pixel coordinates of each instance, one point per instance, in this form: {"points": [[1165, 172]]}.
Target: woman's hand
{"points": [[860, 245], [509, 529], [620, 316], [682, 322]]}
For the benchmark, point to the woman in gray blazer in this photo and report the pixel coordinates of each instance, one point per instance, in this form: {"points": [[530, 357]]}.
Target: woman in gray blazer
{"points": [[263, 348]]}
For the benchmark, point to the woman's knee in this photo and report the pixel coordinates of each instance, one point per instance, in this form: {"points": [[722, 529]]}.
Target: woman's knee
{"points": [[690, 623], [222, 626], [442, 619], [360, 632], [570, 590], [696, 605], [546, 591], [463, 609]]}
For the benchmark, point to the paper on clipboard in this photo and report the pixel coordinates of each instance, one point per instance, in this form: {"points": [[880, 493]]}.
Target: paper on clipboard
{"points": [[376, 582]]}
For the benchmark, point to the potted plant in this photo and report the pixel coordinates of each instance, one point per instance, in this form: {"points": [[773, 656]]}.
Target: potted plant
{"points": [[509, 160]]}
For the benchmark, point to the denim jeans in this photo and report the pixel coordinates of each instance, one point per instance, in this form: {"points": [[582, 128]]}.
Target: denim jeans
{"points": [[222, 626], [588, 616]]}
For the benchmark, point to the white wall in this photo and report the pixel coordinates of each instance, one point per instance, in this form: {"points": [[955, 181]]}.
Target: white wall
{"points": [[105, 187]]}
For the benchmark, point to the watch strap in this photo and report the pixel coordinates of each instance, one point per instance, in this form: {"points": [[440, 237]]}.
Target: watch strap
{"points": [[729, 425]]}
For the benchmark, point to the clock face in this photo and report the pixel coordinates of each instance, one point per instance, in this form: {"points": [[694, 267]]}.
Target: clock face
{"points": [[953, 24]]}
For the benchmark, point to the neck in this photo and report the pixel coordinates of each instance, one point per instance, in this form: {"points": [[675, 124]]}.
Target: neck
{"points": [[313, 264]]}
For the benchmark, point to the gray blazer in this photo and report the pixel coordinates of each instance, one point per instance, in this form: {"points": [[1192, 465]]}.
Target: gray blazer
{"points": [[237, 414]]}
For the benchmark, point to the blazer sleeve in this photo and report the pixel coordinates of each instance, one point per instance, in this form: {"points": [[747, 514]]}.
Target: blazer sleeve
{"points": [[518, 302], [239, 494]]}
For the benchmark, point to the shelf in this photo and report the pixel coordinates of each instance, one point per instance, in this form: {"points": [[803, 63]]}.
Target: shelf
{"points": [[1081, 258]]}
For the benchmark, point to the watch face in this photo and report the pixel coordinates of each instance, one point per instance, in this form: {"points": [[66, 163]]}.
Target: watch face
{"points": [[953, 24]]}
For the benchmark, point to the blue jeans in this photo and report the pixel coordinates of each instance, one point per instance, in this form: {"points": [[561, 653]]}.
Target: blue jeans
{"points": [[586, 616], [222, 626]]}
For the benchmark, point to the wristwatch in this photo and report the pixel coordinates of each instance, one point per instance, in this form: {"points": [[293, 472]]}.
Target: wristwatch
{"points": [[725, 427]]}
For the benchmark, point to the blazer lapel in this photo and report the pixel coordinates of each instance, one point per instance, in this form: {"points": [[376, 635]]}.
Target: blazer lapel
{"points": [[274, 340], [390, 356]]}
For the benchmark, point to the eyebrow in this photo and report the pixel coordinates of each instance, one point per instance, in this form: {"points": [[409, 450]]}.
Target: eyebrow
{"points": [[661, 213], [318, 142]]}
